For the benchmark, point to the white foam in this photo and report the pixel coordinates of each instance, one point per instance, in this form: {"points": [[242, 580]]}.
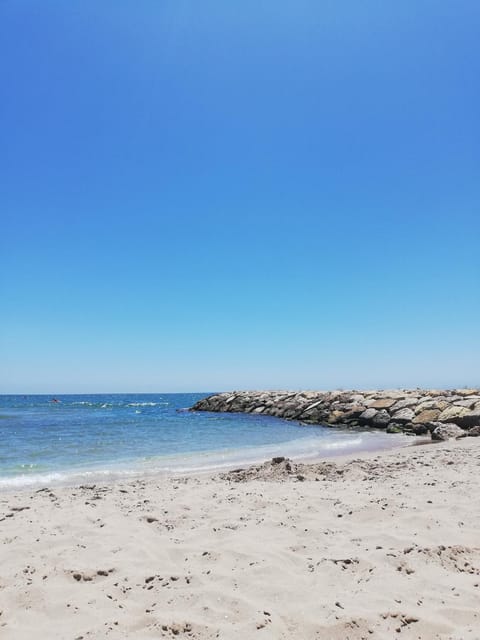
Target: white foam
{"points": [[146, 404], [22, 481], [205, 461]]}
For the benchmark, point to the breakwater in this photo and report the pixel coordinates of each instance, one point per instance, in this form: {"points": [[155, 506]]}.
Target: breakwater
{"points": [[411, 411]]}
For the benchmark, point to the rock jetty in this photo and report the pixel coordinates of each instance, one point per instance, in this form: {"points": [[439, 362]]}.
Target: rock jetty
{"points": [[412, 411]]}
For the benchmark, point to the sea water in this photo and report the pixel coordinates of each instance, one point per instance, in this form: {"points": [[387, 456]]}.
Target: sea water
{"points": [[73, 438]]}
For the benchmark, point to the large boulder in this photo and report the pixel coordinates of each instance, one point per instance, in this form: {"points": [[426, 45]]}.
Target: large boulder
{"points": [[403, 415], [429, 415], [406, 402], [357, 397], [354, 411], [367, 416], [419, 429], [471, 419], [383, 403], [312, 406], [461, 416], [452, 414], [259, 410], [314, 413], [431, 404], [381, 419], [337, 417], [468, 404], [447, 432]]}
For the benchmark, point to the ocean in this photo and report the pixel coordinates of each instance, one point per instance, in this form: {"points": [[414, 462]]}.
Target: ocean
{"points": [[81, 438]]}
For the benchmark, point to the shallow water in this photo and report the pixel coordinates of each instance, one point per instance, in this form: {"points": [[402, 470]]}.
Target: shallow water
{"points": [[123, 435]]}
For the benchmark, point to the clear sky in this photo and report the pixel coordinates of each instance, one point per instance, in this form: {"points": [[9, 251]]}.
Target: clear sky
{"points": [[222, 195]]}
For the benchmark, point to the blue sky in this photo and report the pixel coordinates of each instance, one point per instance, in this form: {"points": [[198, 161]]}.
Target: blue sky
{"points": [[216, 195]]}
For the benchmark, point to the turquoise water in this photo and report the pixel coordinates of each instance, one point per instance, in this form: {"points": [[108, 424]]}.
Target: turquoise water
{"points": [[109, 436]]}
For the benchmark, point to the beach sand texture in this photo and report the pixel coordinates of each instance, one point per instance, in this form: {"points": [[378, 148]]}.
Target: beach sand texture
{"points": [[384, 546]]}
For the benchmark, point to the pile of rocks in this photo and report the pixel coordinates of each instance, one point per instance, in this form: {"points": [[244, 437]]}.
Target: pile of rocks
{"points": [[411, 411]]}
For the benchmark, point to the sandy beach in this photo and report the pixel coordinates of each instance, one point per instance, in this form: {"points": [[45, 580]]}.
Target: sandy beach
{"points": [[382, 546]]}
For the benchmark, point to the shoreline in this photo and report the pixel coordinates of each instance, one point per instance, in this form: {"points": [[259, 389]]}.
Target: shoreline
{"points": [[348, 422], [373, 546], [205, 463]]}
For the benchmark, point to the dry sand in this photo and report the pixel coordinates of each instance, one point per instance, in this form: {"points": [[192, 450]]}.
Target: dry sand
{"points": [[385, 546]]}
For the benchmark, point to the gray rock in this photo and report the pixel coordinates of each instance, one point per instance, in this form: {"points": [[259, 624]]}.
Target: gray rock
{"points": [[404, 415], [418, 429], [448, 432], [474, 431], [471, 419], [354, 411], [368, 415], [381, 419], [357, 397], [403, 404], [469, 404], [440, 405], [312, 406]]}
